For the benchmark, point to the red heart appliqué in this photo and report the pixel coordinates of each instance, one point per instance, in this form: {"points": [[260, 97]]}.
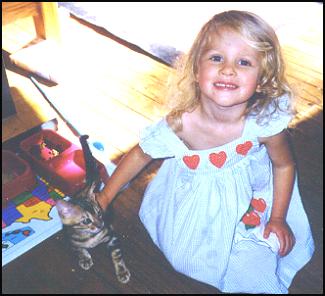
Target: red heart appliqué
{"points": [[244, 148], [251, 219], [192, 161], [218, 159], [258, 204]]}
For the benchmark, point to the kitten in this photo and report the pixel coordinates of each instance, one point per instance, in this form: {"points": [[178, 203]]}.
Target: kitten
{"points": [[83, 221], [84, 226]]}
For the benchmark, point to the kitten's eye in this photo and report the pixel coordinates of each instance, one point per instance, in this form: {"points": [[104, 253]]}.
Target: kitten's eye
{"points": [[216, 58], [86, 221], [245, 63]]}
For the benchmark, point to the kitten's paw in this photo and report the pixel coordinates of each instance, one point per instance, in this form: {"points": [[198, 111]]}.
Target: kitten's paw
{"points": [[86, 263], [85, 260], [123, 275]]}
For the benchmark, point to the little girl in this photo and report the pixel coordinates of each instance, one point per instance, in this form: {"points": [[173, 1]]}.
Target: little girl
{"points": [[224, 207]]}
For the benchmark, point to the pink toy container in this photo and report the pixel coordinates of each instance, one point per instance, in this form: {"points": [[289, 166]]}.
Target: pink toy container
{"points": [[66, 169]]}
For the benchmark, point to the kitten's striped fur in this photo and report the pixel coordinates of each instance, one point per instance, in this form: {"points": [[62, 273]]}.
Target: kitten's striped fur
{"points": [[85, 228]]}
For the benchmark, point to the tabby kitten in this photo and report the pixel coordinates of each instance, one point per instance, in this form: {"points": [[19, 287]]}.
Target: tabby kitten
{"points": [[84, 226]]}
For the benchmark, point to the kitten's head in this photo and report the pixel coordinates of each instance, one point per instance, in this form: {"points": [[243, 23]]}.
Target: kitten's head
{"points": [[82, 210]]}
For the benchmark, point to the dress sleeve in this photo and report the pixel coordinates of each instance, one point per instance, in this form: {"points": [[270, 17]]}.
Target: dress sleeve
{"points": [[155, 140], [278, 120]]}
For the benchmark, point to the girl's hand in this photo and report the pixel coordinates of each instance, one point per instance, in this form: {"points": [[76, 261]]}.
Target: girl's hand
{"points": [[283, 233]]}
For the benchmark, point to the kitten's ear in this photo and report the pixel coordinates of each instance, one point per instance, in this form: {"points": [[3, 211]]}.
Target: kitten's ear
{"points": [[85, 192], [65, 209], [89, 191], [92, 187], [61, 205]]}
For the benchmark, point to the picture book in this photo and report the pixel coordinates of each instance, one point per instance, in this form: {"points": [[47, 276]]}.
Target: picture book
{"points": [[28, 219]]}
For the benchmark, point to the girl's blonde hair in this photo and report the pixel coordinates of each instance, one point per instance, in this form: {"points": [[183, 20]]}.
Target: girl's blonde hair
{"points": [[183, 92]]}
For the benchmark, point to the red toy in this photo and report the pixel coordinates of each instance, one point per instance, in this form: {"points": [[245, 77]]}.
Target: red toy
{"points": [[58, 160]]}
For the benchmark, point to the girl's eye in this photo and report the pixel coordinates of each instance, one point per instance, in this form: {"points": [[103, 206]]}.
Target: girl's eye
{"points": [[245, 63], [216, 58]]}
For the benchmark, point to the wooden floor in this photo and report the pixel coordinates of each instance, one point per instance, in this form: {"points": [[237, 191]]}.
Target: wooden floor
{"points": [[125, 89]]}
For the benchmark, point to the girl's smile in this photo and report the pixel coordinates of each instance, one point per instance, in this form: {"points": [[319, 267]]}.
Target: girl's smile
{"points": [[222, 85]]}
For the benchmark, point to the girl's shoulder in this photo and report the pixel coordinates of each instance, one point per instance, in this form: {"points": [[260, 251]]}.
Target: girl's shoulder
{"points": [[156, 127], [278, 116], [157, 140]]}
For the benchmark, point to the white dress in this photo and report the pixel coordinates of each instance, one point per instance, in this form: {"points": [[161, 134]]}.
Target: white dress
{"points": [[206, 210]]}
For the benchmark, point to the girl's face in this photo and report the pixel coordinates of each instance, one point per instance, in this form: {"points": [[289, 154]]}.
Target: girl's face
{"points": [[229, 70]]}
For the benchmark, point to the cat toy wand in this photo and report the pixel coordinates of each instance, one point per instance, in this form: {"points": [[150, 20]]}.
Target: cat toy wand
{"points": [[97, 145], [67, 122], [91, 165], [89, 158], [110, 166]]}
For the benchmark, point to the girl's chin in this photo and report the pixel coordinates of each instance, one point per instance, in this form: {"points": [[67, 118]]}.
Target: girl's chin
{"points": [[228, 102]]}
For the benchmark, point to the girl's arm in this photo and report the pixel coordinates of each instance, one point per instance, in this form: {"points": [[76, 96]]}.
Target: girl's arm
{"points": [[130, 165], [283, 180]]}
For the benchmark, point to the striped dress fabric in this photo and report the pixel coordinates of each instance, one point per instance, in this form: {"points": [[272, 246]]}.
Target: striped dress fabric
{"points": [[206, 210]]}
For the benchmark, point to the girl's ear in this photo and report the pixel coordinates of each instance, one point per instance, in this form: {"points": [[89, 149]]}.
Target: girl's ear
{"points": [[258, 88], [196, 75]]}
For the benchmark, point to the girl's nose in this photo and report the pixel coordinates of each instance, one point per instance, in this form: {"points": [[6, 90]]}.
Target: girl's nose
{"points": [[227, 70]]}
